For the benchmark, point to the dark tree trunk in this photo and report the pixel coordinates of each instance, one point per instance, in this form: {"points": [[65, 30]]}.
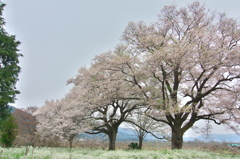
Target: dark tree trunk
{"points": [[177, 138], [71, 141], [140, 142], [112, 138]]}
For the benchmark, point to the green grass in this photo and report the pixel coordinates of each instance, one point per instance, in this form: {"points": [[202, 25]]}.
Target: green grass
{"points": [[65, 153]]}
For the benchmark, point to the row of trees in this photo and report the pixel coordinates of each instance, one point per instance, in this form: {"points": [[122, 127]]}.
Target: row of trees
{"points": [[20, 129], [183, 68], [22, 124]]}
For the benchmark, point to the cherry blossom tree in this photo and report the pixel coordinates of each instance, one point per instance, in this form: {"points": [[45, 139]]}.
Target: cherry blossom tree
{"points": [[185, 66], [109, 117], [142, 125], [234, 116], [107, 97], [61, 118]]}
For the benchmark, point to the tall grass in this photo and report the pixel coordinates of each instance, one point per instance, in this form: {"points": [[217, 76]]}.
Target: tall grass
{"points": [[76, 153]]}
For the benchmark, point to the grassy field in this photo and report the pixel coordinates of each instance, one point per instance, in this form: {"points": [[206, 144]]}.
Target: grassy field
{"points": [[76, 153]]}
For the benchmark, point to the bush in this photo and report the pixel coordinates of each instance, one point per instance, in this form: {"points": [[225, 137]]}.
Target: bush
{"points": [[8, 131], [133, 146]]}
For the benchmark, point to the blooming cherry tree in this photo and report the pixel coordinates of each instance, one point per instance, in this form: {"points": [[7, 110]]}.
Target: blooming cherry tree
{"points": [[62, 118], [185, 66], [107, 96], [142, 125]]}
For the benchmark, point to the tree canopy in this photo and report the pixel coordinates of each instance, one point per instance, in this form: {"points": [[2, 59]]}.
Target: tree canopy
{"points": [[9, 67], [186, 66], [189, 60]]}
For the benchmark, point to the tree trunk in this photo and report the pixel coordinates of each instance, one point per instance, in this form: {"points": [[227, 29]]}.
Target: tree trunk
{"points": [[177, 138], [140, 141], [112, 138], [71, 141]]}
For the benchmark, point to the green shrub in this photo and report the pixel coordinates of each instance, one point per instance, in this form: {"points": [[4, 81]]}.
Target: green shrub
{"points": [[133, 146], [8, 132]]}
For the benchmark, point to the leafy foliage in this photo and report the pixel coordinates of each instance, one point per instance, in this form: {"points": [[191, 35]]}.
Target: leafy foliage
{"points": [[133, 145], [26, 125], [8, 131], [9, 68]]}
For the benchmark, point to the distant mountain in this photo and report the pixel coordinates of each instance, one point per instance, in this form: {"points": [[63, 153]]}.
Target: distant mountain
{"points": [[216, 137], [124, 134], [12, 108], [127, 134]]}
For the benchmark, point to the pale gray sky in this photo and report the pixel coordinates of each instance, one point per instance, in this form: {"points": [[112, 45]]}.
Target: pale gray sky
{"points": [[59, 36]]}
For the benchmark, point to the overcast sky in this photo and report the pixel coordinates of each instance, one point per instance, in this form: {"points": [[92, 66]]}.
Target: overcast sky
{"points": [[58, 37]]}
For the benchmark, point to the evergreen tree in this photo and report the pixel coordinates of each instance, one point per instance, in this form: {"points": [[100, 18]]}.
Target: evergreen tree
{"points": [[8, 131], [9, 68]]}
